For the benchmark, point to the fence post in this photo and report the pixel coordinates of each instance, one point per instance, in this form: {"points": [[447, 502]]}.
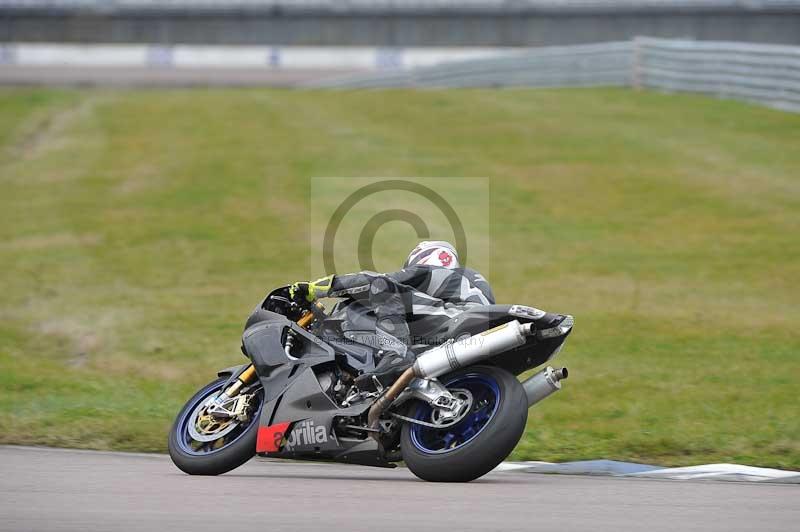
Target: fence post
{"points": [[636, 67]]}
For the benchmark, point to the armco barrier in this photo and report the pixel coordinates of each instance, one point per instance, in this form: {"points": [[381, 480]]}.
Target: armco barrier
{"points": [[578, 65], [766, 74]]}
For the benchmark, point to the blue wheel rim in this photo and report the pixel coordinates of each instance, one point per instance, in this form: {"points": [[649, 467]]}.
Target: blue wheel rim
{"points": [[185, 440], [486, 400]]}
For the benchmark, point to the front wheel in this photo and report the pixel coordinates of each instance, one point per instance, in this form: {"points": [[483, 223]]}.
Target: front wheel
{"points": [[477, 443], [200, 444]]}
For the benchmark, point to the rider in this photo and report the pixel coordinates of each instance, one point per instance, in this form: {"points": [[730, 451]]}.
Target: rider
{"points": [[431, 289]]}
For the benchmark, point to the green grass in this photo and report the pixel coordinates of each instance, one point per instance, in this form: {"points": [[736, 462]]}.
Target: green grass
{"points": [[138, 229]]}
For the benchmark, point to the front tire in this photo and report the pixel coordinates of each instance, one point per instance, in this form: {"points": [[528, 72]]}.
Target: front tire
{"points": [[480, 441], [215, 457]]}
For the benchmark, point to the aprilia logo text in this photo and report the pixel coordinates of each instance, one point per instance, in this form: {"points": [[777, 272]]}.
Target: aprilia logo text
{"points": [[305, 433]]}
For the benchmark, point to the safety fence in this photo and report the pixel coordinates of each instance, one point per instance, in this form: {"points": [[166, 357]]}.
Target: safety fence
{"points": [[578, 65], [767, 74]]}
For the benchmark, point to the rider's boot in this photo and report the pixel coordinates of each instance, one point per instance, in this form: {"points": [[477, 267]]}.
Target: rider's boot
{"points": [[390, 367], [393, 333]]}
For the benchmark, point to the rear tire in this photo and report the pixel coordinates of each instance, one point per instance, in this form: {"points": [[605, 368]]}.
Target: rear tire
{"points": [[219, 461], [480, 453]]}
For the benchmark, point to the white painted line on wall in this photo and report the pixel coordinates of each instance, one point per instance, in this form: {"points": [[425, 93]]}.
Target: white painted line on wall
{"points": [[199, 56], [93, 55], [317, 57], [218, 56]]}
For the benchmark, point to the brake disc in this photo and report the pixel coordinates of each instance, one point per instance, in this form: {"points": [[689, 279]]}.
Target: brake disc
{"points": [[204, 427]]}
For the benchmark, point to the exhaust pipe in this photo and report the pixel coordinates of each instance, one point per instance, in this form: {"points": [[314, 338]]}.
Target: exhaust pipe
{"points": [[544, 384], [451, 356]]}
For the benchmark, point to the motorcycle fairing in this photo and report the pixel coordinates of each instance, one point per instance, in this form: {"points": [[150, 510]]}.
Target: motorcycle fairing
{"points": [[263, 343], [269, 439], [304, 415], [293, 394]]}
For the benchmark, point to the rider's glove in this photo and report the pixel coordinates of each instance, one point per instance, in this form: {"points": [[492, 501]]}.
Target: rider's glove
{"points": [[310, 291]]}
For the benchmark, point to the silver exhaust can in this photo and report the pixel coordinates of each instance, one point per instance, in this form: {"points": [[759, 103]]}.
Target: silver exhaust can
{"points": [[544, 384], [451, 355]]}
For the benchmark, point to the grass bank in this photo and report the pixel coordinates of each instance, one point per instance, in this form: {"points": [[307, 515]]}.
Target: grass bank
{"points": [[137, 230]]}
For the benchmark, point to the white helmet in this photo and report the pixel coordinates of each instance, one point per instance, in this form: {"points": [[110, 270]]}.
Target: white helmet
{"points": [[433, 253]]}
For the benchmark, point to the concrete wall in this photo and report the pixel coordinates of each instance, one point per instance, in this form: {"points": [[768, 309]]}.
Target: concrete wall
{"points": [[396, 29]]}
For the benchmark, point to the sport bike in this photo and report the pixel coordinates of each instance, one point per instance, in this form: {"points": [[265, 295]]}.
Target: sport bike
{"points": [[307, 392]]}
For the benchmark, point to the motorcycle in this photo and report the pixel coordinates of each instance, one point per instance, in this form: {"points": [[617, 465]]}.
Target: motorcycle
{"points": [[306, 393]]}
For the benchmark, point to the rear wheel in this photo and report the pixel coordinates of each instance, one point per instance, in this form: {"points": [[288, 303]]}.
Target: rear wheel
{"points": [[477, 443], [201, 444]]}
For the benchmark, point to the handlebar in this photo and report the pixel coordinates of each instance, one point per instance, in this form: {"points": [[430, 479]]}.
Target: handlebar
{"points": [[279, 301], [316, 310]]}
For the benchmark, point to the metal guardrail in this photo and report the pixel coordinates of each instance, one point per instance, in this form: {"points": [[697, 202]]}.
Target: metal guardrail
{"points": [[755, 72], [552, 66], [766, 74]]}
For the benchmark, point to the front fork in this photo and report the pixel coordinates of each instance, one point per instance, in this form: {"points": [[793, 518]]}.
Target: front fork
{"points": [[249, 375]]}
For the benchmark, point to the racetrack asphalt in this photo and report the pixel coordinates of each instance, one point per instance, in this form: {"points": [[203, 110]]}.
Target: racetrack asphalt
{"points": [[64, 490]]}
